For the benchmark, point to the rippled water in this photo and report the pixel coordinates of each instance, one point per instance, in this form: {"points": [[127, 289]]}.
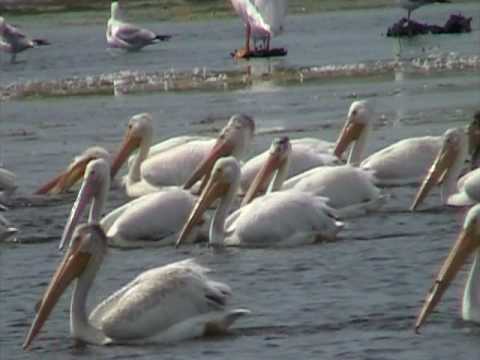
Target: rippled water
{"points": [[353, 299]]}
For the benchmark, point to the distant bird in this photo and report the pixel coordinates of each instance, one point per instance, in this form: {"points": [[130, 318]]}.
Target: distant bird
{"points": [[7, 231], [123, 35], [263, 19], [13, 41], [411, 5]]}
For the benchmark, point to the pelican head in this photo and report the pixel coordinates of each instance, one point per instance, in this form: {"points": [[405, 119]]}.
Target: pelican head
{"points": [[355, 130], [96, 183], [275, 167], [87, 250], [66, 179], [449, 158], [234, 140], [224, 178], [468, 242], [138, 135]]}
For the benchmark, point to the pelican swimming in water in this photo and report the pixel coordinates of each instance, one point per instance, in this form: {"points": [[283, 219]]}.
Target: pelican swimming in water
{"points": [[64, 181], [164, 304], [467, 243], [14, 41], [137, 223], [179, 165], [122, 35], [276, 219], [7, 231], [263, 19]]}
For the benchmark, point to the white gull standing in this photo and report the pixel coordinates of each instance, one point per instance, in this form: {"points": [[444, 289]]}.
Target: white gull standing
{"points": [[126, 36]]}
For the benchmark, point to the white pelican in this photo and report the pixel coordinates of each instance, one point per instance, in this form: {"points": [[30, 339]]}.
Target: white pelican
{"points": [[7, 231], [151, 220], [184, 164], [165, 304], [66, 179], [276, 219], [347, 189], [446, 169], [468, 242], [411, 5], [263, 19], [13, 40], [127, 36], [403, 162]]}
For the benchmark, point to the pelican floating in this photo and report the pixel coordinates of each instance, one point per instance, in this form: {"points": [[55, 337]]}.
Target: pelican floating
{"points": [[468, 243], [446, 169], [136, 223], [263, 19], [122, 35], [149, 174], [14, 41], [165, 304], [276, 219], [403, 162], [68, 178]]}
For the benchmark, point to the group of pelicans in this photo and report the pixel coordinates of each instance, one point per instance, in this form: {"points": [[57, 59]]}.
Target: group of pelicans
{"points": [[262, 18], [294, 193]]}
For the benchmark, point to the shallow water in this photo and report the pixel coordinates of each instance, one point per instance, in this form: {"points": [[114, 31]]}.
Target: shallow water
{"points": [[353, 299]]}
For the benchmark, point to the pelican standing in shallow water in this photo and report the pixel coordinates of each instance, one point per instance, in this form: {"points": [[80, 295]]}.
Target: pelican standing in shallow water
{"points": [[137, 223], [165, 304], [263, 19], [276, 219], [14, 41], [468, 242], [64, 181], [122, 35], [180, 165]]}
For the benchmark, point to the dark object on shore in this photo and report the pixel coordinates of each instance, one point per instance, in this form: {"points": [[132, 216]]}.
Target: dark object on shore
{"points": [[261, 53], [455, 24]]}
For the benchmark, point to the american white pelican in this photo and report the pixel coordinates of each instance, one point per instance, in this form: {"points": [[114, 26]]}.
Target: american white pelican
{"points": [[263, 19], [165, 304], [468, 242], [411, 5], [403, 162], [446, 169], [184, 164], [13, 41], [66, 179], [123, 35], [151, 220], [7, 231], [276, 219]]}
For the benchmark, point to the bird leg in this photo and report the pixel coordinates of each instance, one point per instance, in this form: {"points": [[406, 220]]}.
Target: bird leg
{"points": [[244, 53]]}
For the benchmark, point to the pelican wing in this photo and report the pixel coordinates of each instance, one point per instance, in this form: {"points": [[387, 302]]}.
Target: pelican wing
{"points": [[284, 218], [468, 190], [405, 161], [133, 35], [264, 16], [160, 299], [175, 166]]}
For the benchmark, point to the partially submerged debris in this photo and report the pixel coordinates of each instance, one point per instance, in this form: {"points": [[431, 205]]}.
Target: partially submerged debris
{"points": [[455, 24]]}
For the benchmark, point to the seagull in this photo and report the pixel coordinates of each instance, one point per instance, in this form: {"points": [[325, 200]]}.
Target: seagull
{"points": [[123, 35], [411, 5], [13, 40]]}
